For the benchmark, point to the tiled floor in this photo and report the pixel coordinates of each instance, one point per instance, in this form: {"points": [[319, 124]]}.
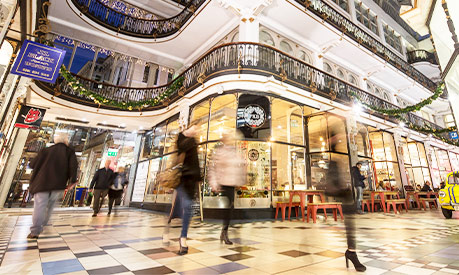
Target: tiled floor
{"points": [[418, 242]]}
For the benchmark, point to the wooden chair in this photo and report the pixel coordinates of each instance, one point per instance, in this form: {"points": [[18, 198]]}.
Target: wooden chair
{"points": [[430, 202], [313, 207], [367, 203]]}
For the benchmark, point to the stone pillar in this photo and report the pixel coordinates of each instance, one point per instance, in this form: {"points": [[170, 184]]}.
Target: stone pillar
{"points": [[401, 162], [131, 72], [11, 164], [113, 69], [151, 76], [93, 65], [381, 30], [73, 53], [351, 7], [249, 29]]}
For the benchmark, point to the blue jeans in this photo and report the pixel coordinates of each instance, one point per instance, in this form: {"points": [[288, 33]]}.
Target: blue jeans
{"points": [[184, 201], [359, 197]]}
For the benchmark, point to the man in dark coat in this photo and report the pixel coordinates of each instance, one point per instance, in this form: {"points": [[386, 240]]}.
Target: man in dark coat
{"points": [[52, 169], [357, 179], [102, 180]]}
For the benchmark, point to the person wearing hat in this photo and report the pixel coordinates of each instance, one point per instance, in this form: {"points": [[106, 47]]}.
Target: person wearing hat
{"points": [[357, 179]]}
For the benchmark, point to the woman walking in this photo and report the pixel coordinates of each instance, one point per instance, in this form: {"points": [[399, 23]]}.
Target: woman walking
{"points": [[116, 189], [191, 175], [227, 171]]}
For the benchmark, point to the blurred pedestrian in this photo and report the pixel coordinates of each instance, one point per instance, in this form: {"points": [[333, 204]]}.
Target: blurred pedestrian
{"points": [[186, 191], [116, 188], [100, 183], [357, 179], [227, 170], [52, 169], [342, 191]]}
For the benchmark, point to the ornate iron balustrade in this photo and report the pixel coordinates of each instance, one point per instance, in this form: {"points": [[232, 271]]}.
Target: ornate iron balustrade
{"points": [[233, 59], [420, 56], [340, 22], [130, 25]]}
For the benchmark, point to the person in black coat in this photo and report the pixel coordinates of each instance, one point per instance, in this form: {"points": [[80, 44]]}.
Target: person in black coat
{"points": [[100, 183], [191, 175], [53, 168], [357, 180]]}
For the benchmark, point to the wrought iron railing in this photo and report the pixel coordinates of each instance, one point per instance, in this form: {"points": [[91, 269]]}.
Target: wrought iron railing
{"points": [[420, 56], [340, 22], [131, 25], [236, 59]]}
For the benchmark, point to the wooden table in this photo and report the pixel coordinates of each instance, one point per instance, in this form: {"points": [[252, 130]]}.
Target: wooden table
{"points": [[302, 194], [382, 195], [413, 194]]}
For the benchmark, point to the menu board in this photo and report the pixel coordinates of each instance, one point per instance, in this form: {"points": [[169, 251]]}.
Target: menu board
{"points": [[140, 181]]}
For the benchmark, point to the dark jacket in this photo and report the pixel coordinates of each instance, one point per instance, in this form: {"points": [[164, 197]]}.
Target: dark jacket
{"points": [[191, 172], [102, 179], [53, 168], [357, 177], [426, 188]]}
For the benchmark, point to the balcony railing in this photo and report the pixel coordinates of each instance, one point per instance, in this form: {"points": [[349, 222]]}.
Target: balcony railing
{"points": [[421, 56], [131, 25], [340, 22], [235, 59]]}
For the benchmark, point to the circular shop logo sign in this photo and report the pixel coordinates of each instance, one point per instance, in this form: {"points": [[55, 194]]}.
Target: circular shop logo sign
{"points": [[254, 116], [253, 155]]}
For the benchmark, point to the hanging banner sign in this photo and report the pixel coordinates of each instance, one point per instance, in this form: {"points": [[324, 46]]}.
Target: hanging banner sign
{"points": [[453, 135], [38, 61], [29, 117]]}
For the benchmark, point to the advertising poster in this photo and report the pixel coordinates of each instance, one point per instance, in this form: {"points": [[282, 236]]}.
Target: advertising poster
{"points": [[29, 117], [140, 182]]}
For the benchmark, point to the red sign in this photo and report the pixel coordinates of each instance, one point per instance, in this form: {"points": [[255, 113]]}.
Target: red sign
{"points": [[29, 117]]}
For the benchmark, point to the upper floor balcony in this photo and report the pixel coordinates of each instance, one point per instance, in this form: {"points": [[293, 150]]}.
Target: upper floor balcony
{"points": [[421, 56], [125, 19], [228, 59]]}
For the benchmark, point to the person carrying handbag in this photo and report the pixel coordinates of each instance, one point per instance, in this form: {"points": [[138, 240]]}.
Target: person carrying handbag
{"points": [[186, 189], [227, 171]]}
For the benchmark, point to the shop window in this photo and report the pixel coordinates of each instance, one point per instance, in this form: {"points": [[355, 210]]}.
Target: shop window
{"points": [[342, 3], [256, 193], [449, 121], [392, 38], [318, 134], [200, 117], [288, 167], [147, 144], [366, 17], [320, 164], [222, 116], [327, 133], [164, 194], [158, 140], [328, 68], [353, 80], [415, 162], [305, 57], [170, 144], [266, 38], [287, 122], [341, 74], [152, 187], [337, 134], [444, 166], [436, 178], [454, 161], [387, 171], [285, 47], [146, 73], [362, 141]]}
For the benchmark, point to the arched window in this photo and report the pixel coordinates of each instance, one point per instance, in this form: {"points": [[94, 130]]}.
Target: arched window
{"points": [[378, 92], [266, 38], [328, 68], [305, 57], [235, 37], [340, 74], [369, 88], [285, 47], [352, 79], [386, 96]]}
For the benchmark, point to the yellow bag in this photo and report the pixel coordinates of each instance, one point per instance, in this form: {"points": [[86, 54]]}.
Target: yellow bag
{"points": [[170, 177]]}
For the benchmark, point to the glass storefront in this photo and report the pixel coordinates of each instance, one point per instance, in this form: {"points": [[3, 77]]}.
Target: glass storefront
{"points": [[415, 161], [441, 166], [387, 172]]}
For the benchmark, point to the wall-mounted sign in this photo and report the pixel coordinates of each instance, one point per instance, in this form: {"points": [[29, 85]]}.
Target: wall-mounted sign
{"points": [[29, 117], [253, 155], [453, 135], [38, 61], [254, 116], [112, 152]]}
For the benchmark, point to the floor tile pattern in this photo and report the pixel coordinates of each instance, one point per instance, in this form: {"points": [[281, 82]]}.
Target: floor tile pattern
{"points": [[130, 242]]}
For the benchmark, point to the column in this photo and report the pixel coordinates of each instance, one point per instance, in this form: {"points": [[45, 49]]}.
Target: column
{"points": [[151, 76], [75, 46], [351, 8], [113, 69], [351, 125], [381, 30], [7, 22], [93, 65], [249, 29], [401, 162], [11, 164], [131, 73]]}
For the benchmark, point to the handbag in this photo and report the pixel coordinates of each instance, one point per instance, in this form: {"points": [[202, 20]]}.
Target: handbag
{"points": [[170, 177]]}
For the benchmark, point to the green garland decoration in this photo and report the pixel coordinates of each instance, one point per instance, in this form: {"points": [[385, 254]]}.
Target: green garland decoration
{"points": [[125, 105], [416, 107]]}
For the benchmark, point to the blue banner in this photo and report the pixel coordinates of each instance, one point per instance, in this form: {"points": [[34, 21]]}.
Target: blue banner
{"points": [[453, 135], [38, 61]]}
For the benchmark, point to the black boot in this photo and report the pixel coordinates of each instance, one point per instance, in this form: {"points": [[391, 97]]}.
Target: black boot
{"points": [[352, 256], [183, 249], [224, 237]]}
